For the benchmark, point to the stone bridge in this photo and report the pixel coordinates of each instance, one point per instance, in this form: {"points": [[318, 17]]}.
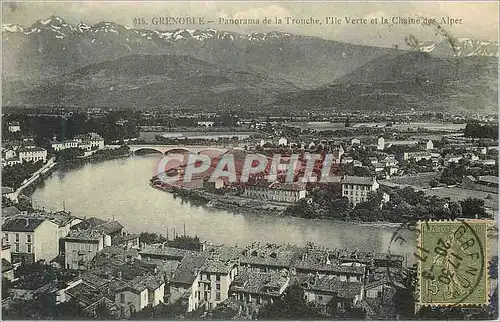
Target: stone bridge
{"points": [[165, 149]]}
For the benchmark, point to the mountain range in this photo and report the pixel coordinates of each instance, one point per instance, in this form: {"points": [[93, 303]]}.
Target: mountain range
{"points": [[106, 64]]}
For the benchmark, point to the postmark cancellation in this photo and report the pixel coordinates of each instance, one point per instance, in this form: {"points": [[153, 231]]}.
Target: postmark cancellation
{"points": [[452, 268]]}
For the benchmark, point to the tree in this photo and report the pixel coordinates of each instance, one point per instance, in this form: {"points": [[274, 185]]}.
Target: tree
{"points": [[185, 242], [151, 238], [473, 208], [292, 306], [433, 183]]}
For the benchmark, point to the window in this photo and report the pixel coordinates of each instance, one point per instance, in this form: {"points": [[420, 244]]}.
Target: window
{"points": [[17, 238], [217, 296], [122, 298], [320, 298], [6, 237], [217, 287], [217, 277], [28, 238], [208, 277], [17, 248], [29, 248]]}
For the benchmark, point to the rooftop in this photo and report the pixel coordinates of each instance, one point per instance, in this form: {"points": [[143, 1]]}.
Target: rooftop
{"points": [[6, 265], [270, 255], [188, 269], [87, 235], [85, 293], [166, 251], [359, 180], [256, 282], [110, 227], [488, 179], [22, 224], [342, 289], [31, 149], [140, 283]]}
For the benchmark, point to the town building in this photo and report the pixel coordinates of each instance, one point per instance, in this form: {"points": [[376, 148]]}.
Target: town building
{"points": [[276, 191], [381, 144], [332, 294], [138, 293], [32, 154], [81, 246], [253, 289], [356, 189], [31, 239], [429, 145], [282, 142], [417, 156], [14, 127], [184, 285], [95, 141]]}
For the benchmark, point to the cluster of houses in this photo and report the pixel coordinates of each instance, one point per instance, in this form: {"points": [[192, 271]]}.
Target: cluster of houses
{"points": [[86, 142], [19, 152], [109, 267], [25, 150], [383, 163]]}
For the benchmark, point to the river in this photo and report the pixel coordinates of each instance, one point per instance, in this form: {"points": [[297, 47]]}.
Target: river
{"points": [[120, 189]]}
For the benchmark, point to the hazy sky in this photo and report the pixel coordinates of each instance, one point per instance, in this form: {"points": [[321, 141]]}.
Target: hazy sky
{"points": [[479, 19]]}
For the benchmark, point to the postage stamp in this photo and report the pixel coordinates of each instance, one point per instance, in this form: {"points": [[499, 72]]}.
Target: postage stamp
{"points": [[453, 263]]}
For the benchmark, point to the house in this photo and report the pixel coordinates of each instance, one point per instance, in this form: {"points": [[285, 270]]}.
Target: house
{"points": [[276, 191], [381, 144], [322, 263], [8, 154], [379, 167], [215, 279], [138, 293], [417, 156], [32, 154], [330, 293], [347, 160], [253, 289], [205, 123], [356, 189], [268, 257], [282, 142], [184, 284], [8, 192], [429, 145], [32, 239], [112, 228], [14, 127], [373, 160], [10, 162], [94, 140], [355, 141], [81, 246], [357, 163], [90, 298], [7, 269]]}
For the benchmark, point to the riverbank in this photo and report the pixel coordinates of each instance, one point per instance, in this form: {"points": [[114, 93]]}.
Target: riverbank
{"points": [[250, 206], [98, 156]]}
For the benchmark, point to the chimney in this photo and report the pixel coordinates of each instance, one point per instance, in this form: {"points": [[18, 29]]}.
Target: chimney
{"points": [[328, 262], [27, 222]]}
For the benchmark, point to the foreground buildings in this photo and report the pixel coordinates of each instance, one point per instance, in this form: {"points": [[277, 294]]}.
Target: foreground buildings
{"points": [[125, 279]]}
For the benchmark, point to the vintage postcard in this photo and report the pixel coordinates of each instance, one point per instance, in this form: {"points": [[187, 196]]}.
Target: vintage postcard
{"points": [[230, 160]]}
